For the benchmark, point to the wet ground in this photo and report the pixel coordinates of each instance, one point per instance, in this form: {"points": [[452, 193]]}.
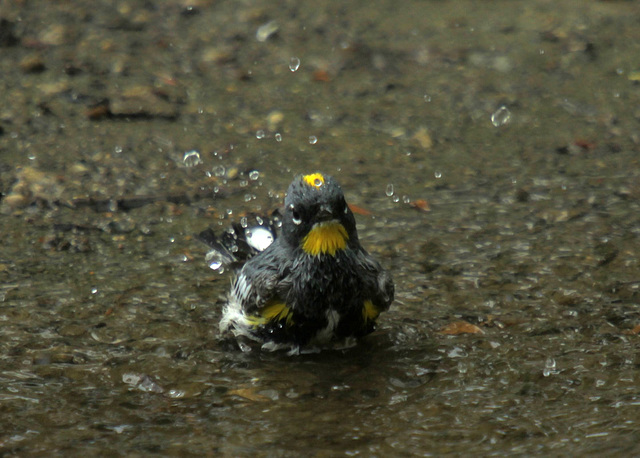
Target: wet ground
{"points": [[496, 145]]}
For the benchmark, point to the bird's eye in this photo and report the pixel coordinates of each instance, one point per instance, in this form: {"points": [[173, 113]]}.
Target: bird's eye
{"points": [[295, 215]]}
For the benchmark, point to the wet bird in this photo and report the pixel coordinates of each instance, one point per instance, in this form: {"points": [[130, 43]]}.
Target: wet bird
{"points": [[315, 286]]}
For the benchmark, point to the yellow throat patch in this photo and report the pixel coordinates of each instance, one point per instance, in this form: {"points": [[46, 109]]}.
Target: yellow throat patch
{"points": [[315, 180], [325, 238]]}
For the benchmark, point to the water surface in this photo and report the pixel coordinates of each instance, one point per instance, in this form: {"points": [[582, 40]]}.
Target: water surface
{"points": [[494, 143]]}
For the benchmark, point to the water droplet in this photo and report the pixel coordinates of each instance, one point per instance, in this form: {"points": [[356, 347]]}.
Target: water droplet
{"points": [[244, 222], [259, 237], [389, 190], [313, 139], [219, 171], [254, 175], [549, 367], [396, 199], [437, 174], [266, 30], [294, 64], [406, 199], [117, 149], [278, 137], [191, 158], [94, 290], [248, 197], [501, 116], [427, 98], [214, 260], [260, 134]]}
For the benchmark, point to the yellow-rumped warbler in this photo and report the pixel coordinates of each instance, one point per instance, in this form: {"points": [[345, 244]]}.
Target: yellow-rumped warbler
{"points": [[314, 285]]}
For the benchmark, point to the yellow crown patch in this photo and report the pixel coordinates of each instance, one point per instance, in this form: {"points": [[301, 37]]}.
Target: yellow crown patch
{"points": [[325, 238], [315, 179]]}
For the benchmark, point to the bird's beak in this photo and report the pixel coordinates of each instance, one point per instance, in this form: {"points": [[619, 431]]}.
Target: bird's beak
{"points": [[324, 214]]}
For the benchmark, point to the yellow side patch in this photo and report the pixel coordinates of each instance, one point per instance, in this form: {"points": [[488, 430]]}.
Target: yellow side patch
{"points": [[315, 179], [277, 311], [369, 311], [325, 238]]}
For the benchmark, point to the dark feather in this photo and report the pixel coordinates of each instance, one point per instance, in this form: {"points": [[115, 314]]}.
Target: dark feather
{"points": [[231, 248]]}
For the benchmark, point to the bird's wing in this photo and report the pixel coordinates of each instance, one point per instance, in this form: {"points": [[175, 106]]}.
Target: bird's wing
{"points": [[261, 280], [240, 242], [381, 282]]}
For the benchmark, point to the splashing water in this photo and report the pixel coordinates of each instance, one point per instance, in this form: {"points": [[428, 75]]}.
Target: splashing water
{"points": [[191, 158], [259, 237], [215, 261], [389, 191], [501, 116], [219, 170], [549, 367], [266, 31], [294, 64]]}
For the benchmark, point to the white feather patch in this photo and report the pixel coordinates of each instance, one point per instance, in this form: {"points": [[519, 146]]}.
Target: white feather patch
{"points": [[326, 335], [234, 319]]}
